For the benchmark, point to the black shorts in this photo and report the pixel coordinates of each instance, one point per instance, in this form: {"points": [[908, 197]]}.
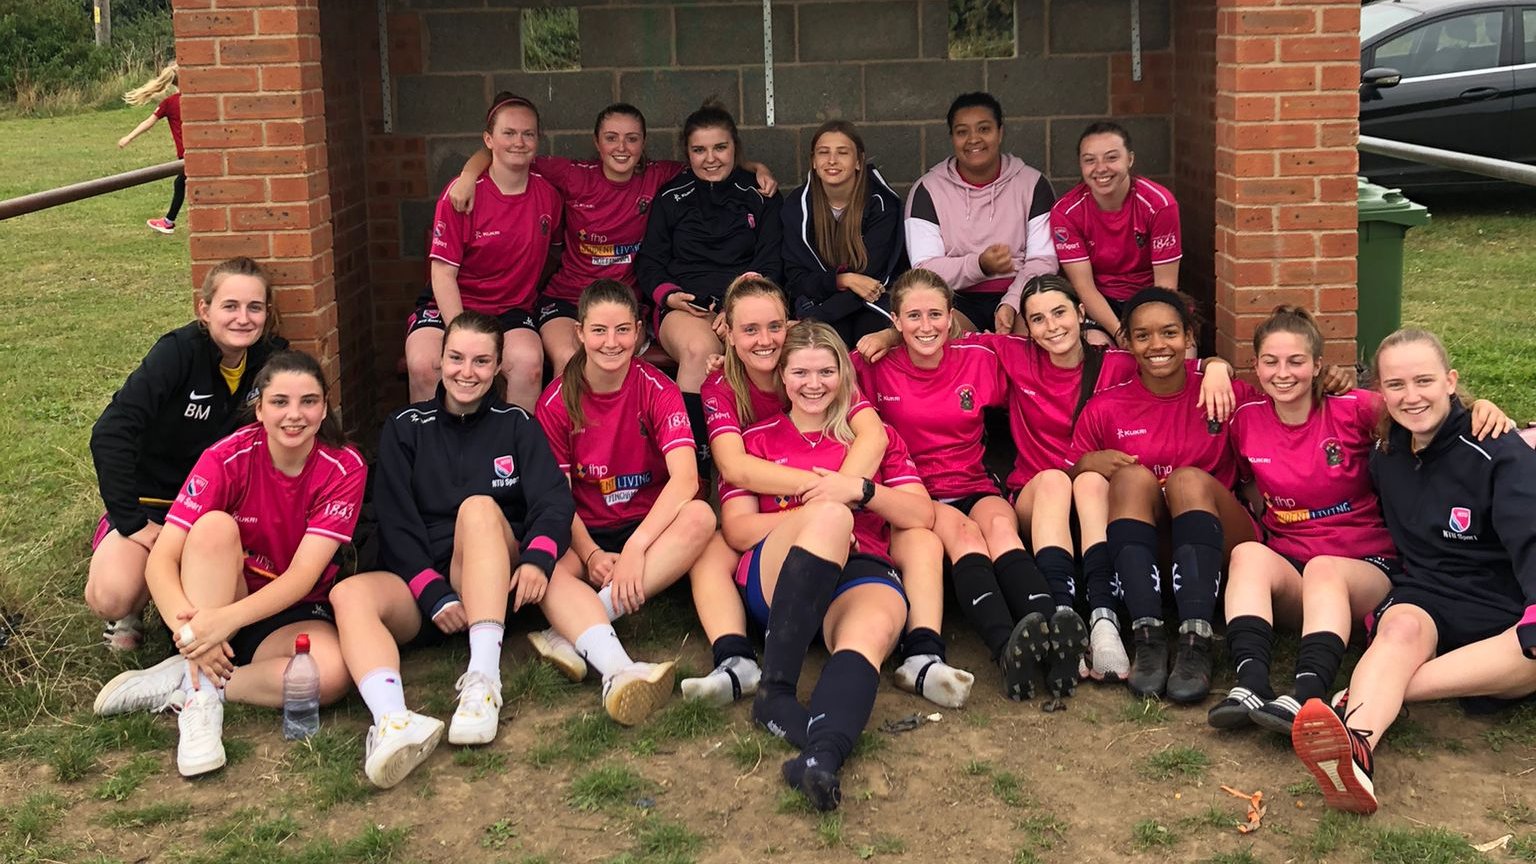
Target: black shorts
{"points": [[969, 502], [551, 308], [612, 539], [1388, 566], [1115, 306], [426, 316], [1458, 622], [979, 306], [248, 638]]}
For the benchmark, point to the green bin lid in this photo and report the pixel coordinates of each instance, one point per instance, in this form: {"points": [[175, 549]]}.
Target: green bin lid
{"points": [[1380, 204]]}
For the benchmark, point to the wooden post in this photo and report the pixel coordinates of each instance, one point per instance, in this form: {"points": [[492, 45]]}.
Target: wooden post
{"points": [[101, 13]]}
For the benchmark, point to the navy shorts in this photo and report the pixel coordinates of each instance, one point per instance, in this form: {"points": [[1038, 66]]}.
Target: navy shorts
{"points": [[249, 638], [967, 503], [861, 569], [427, 317], [1388, 566], [1458, 622], [551, 308], [613, 538]]}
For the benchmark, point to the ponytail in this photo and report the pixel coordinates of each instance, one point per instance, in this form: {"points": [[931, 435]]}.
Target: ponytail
{"points": [[154, 89]]}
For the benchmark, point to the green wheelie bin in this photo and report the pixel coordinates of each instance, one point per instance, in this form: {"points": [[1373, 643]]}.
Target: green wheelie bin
{"points": [[1385, 217]]}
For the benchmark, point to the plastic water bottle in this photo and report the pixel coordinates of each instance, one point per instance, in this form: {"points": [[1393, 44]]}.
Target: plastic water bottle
{"points": [[301, 693]]}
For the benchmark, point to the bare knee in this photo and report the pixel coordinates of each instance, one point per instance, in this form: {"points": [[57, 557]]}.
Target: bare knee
{"points": [[214, 532], [1090, 484], [696, 520], [1054, 484], [1188, 484], [422, 365], [914, 546], [1402, 630], [479, 513], [523, 365], [828, 518]]}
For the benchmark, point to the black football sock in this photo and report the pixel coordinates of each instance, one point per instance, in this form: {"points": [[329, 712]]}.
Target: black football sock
{"points": [[1133, 548], [979, 597], [1197, 554], [1317, 664], [1251, 640], [799, 603], [1060, 571], [1024, 587], [1099, 577]]}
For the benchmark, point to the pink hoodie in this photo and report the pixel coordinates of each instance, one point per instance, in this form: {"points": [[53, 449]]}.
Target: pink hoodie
{"points": [[949, 223]]}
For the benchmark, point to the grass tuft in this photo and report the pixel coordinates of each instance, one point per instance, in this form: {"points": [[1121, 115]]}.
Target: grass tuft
{"points": [[481, 762], [1188, 762], [128, 778], [1149, 834], [1005, 787], [686, 718], [1241, 856], [606, 786], [148, 816], [829, 829], [1144, 712], [658, 841], [539, 682], [328, 763]]}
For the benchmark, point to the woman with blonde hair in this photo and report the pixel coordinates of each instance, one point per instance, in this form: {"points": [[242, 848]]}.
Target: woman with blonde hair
{"points": [[161, 88]]}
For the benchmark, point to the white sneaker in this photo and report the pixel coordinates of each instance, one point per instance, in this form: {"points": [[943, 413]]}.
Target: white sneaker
{"points": [[474, 722], [201, 748], [154, 689], [397, 745], [632, 693], [560, 653], [124, 634], [736, 678], [934, 680], [1107, 659]]}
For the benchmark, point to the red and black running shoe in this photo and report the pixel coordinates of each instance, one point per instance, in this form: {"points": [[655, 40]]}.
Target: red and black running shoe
{"points": [[1338, 757]]}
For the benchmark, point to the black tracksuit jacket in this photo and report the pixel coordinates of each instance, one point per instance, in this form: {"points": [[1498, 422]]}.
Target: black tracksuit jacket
{"points": [[1462, 513], [431, 461], [811, 281], [702, 235], [171, 409]]}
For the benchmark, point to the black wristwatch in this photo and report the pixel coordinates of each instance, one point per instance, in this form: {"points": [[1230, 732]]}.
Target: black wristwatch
{"points": [[869, 492]]}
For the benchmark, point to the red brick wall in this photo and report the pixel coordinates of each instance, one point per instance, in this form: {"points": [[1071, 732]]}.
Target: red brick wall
{"points": [[257, 180], [1194, 145], [1286, 127]]}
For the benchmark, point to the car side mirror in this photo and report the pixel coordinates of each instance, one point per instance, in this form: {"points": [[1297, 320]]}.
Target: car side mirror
{"points": [[1381, 76]]}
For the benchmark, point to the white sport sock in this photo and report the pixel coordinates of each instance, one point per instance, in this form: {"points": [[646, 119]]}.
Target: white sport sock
{"points": [[602, 649], [485, 648], [383, 692], [207, 683], [606, 596]]}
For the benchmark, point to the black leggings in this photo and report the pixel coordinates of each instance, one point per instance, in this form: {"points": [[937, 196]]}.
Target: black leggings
{"points": [[178, 195]]}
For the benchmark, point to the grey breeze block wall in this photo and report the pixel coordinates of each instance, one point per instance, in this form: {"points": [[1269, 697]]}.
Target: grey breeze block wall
{"points": [[879, 63]]}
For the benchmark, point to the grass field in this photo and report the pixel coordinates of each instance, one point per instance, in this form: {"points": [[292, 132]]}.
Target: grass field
{"points": [[86, 288]]}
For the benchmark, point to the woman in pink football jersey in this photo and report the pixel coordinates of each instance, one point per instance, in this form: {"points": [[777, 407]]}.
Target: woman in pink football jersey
{"points": [[748, 389], [491, 260], [245, 562], [618, 429], [932, 390], [607, 203], [816, 566], [1170, 468], [1326, 558]]}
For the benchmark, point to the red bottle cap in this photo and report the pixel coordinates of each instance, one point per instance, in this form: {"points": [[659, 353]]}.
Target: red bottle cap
{"points": [[301, 644]]}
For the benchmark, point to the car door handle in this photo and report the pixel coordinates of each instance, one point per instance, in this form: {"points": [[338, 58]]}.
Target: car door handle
{"points": [[1477, 94]]}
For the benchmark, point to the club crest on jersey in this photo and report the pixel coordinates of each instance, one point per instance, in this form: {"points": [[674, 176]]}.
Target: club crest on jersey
{"points": [[642, 204], [1141, 239], [1213, 427], [195, 485], [967, 398], [437, 229], [1461, 519], [1333, 452], [544, 223], [1060, 234], [751, 221], [503, 466]]}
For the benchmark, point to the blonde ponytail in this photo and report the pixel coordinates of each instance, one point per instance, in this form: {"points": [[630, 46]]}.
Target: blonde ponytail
{"points": [[154, 89]]}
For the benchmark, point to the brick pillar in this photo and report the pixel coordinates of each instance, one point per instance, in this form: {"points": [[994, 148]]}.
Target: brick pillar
{"points": [[254, 121], [1286, 125]]}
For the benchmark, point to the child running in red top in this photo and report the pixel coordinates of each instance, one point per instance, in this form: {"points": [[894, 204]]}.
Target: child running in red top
{"points": [[1327, 558], [607, 203], [932, 391], [618, 429], [747, 390], [815, 566], [491, 260], [1115, 233], [1167, 463], [163, 88], [245, 562]]}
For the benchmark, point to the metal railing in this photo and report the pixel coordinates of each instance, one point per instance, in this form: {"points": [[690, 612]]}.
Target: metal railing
{"points": [[87, 189], [1498, 169]]}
